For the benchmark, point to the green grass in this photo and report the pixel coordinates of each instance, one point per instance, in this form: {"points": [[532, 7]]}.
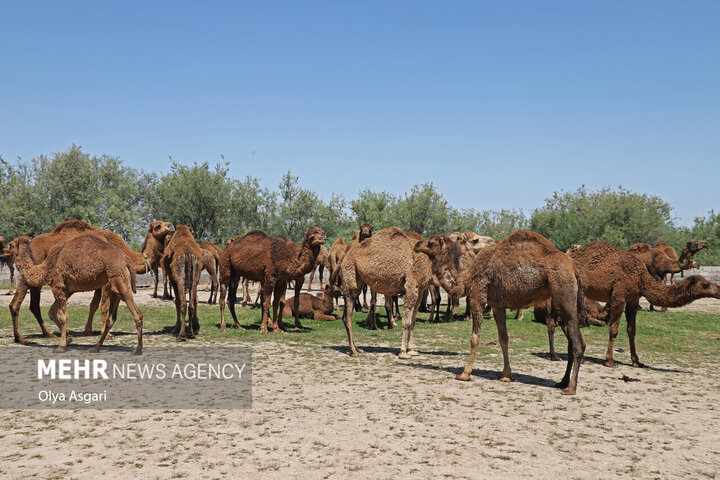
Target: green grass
{"points": [[677, 337]]}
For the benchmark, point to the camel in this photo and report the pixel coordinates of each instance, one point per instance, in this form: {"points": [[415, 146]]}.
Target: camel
{"points": [[84, 263], [210, 260], [365, 232], [657, 261], [387, 264], [687, 256], [618, 277], [149, 256], [7, 260], [322, 262], [183, 262], [271, 261], [523, 270], [311, 306]]}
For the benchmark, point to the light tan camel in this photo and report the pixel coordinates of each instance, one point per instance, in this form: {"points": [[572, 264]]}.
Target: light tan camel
{"points": [[82, 264], [618, 277], [142, 262], [523, 270], [387, 264]]}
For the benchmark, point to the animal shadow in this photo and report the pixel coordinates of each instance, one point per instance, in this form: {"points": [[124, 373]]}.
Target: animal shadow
{"points": [[601, 361], [490, 374], [392, 350]]}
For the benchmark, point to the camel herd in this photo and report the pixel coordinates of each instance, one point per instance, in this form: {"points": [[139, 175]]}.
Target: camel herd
{"points": [[524, 270]]}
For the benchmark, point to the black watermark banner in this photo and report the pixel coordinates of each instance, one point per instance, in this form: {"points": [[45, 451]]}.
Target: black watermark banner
{"points": [[160, 378]]}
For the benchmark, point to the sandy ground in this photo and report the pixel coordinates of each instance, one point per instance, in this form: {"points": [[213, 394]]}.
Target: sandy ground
{"points": [[319, 414]]}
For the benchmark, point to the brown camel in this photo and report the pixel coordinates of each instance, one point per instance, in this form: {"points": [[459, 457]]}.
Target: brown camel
{"points": [[523, 270], [183, 262], [618, 277], [7, 260], [271, 261], [657, 262], [142, 262], [387, 264], [85, 263], [311, 306], [322, 262], [210, 261]]}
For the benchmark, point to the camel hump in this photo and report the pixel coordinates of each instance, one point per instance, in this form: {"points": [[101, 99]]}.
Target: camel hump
{"points": [[259, 233], [640, 247], [661, 244], [391, 232], [72, 225], [522, 236]]}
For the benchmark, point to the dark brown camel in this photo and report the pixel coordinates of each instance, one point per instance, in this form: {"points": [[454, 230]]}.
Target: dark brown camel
{"points": [[272, 262], [142, 262], [618, 277], [523, 270], [84, 263], [183, 263]]}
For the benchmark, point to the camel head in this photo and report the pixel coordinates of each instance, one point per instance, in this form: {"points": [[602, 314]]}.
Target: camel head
{"points": [[183, 231], [574, 247], [435, 245], [365, 231], [160, 229], [315, 236], [693, 246], [20, 244], [697, 286], [477, 242]]}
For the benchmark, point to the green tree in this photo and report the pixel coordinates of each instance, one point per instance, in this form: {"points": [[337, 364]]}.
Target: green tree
{"points": [[619, 216], [424, 210], [497, 224], [708, 228]]}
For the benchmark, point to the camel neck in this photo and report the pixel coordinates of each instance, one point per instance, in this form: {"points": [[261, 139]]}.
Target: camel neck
{"points": [[29, 268]]}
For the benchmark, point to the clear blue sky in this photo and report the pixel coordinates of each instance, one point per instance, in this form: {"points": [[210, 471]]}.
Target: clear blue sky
{"points": [[498, 103]]}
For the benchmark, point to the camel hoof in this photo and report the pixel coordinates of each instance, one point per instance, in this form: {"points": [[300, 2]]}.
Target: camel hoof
{"points": [[59, 350], [414, 353], [569, 391], [88, 333], [180, 339], [506, 379], [94, 349], [554, 358], [404, 355], [609, 363], [237, 326], [354, 353], [137, 351], [109, 336], [638, 365], [49, 335], [463, 377], [20, 340], [263, 330], [223, 328]]}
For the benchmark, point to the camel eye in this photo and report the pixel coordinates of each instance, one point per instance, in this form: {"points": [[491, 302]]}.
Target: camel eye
{"points": [[706, 285]]}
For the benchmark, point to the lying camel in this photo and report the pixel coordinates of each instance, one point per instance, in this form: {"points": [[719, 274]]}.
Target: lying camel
{"points": [[317, 307], [85, 263]]}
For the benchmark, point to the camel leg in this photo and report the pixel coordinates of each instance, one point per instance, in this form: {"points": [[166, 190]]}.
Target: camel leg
{"points": [[94, 304], [11, 267], [246, 292], [321, 269], [35, 309], [631, 317], [167, 289], [477, 318], [181, 304], [350, 298], [312, 277], [365, 304], [551, 322], [499, 314], [15, 303], [61, 301], [267, 289], [389, 311], [232, 298], [214, 289], [616, 309], [278, 303], [298, 286], [520, 315], [576, 349], [113, 301], [221, 302], [411, 300], [424, 305], [371, 319], [157, 280], [411, 340]]}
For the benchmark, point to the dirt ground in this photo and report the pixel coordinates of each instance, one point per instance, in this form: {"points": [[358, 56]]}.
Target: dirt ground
{"points": [[318, 413]]}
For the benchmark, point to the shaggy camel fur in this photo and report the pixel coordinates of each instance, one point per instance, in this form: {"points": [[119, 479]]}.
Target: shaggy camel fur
{"points": [[142, 262], [595, 314], [523, 270], [317, 307], [618, 277], [387, 264], [210, 261], [364, 233], [271, 261], [322, 262], [6, 260], [183, 263], [82, 264]]}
